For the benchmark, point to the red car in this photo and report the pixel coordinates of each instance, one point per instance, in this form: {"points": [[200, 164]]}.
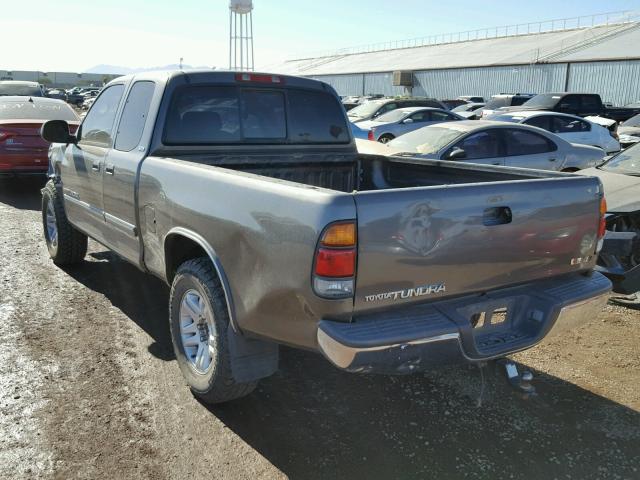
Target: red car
{"points": [[22, 150]]}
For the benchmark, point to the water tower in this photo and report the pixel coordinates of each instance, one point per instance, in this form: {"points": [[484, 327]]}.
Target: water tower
{"points": [[241, 35]]}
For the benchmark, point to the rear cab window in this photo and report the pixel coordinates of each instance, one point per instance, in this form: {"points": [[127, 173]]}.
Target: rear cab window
{"points": [[212, 114]]}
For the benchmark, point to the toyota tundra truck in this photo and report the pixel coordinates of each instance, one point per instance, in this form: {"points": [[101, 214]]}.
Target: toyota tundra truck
{"points": [[246, 194]]}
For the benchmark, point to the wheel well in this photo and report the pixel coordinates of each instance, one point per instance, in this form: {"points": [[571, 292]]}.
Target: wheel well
{"points": [[177, 250]]}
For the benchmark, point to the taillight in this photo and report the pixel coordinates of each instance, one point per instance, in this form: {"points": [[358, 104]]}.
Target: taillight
{"points": [[335, 261], [370, 135], [257, 78], [602, 227], [6, 134]]}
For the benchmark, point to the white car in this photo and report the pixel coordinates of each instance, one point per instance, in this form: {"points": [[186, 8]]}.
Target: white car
{"points": [[495, 143], [571, 128]]}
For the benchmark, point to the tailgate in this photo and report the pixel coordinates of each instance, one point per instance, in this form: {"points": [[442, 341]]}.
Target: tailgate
{"points": [[421, 243]]}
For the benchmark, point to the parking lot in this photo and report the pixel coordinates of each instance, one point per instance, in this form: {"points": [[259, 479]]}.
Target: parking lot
{"points": [[90, 389]]}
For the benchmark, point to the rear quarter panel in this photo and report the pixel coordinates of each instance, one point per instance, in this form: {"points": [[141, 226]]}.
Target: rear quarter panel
{"points": [[264, 232]]}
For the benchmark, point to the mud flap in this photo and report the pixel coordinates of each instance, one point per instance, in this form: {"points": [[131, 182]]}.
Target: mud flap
{"points": [[251, 359]]}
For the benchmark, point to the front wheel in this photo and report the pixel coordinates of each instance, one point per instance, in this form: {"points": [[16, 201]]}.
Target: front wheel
{"points": [[386, 138], [199, 323], [66, 245]]}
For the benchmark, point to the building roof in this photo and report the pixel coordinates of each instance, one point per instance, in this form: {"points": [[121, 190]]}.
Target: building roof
{"points": [[607, 42]]}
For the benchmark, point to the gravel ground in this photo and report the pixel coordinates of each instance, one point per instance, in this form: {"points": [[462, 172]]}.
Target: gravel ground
{"points": [[89, 389]]}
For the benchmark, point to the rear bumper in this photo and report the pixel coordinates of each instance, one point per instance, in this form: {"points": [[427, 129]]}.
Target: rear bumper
{"points": [[424, 336]]}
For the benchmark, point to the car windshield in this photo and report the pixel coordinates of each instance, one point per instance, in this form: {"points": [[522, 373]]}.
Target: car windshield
{"points": [[544, 100], [497, 102], [25, 110], [426, 140], [626, 162], [366, 109], [632, 122], [392, 116], [17, 89]]}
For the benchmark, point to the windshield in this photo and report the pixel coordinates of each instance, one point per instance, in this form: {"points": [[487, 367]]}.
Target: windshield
{"points": [[392, 116], [497, 102], [626, 162], [545, 100], [364, 110], [426, 140], [632, 122], [18, 89], [25, 110]]}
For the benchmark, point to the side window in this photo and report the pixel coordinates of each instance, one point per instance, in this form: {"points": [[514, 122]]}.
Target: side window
{"points": [[590, 103], [97, 127], [570, 103], [134, 116], [386, 108], [521, 142], [569, 125], [517, 101], [441, 117], [540, 122], [420, 117], [481, 145]]}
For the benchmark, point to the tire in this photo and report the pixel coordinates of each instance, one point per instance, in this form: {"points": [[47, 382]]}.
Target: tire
{"points": [[198, 311], [66, 245], [386, 138]]}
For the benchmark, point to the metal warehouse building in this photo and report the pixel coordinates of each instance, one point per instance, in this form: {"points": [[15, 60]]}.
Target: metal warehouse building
{"points": [[560, 55]]}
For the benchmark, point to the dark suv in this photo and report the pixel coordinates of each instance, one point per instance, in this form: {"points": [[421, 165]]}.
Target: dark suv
{"points": [[374, 108]]}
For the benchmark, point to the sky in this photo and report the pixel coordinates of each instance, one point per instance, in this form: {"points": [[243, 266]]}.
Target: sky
{"points": [[75, 35]]}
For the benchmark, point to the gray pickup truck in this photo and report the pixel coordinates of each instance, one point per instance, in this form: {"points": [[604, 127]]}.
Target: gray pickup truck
{"points": [[246, 194]]}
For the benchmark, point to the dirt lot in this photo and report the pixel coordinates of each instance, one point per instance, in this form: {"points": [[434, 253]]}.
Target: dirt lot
{"points": [[89, 389]]}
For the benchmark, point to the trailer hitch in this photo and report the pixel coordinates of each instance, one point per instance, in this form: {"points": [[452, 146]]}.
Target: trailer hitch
{"points": [[520, 382]]}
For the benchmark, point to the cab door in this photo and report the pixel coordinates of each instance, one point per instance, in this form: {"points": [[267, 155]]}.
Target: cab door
{"points": [[82, 170], [121, 165]]}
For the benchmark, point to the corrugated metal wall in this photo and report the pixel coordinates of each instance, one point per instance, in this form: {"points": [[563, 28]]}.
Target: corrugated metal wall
{"points": [[345, 84], [617, 82], [487, 81]]}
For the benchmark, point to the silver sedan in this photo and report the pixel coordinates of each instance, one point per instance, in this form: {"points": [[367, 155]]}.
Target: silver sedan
{"points": [[403, 120], [496, 143]]}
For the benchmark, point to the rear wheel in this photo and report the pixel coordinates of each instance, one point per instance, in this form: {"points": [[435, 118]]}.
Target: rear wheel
{"points": [[199, 323], [66, 245], [386, 138]]}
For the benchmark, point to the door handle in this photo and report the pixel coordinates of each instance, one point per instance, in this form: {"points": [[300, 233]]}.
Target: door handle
{"points": [[95, 167], [552, 159], [496, 216], [110, 169]]}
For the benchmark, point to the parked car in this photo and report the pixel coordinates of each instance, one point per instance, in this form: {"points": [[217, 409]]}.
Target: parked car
{"points": [[620, 255], [629, 131], [18, 88], [58, 94], [378, 263], [570, 127], [22, 149], [80, 96], [504, 100], [472, 98], [86, 105], [581, 104], [496, 143], [397, 122], [374, 108], [470, 111]]}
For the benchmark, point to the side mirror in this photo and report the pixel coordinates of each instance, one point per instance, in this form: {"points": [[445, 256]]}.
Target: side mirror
{"points": [[57, 131], [408, 120], [456, 154]]}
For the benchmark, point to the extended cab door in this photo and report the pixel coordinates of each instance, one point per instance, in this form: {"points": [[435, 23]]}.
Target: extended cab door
{"points": [[121, 165], [82, 169]]}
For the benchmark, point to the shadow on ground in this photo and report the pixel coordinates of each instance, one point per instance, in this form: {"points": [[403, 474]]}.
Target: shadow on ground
{"points": [[313, 421], [22, 192]]}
